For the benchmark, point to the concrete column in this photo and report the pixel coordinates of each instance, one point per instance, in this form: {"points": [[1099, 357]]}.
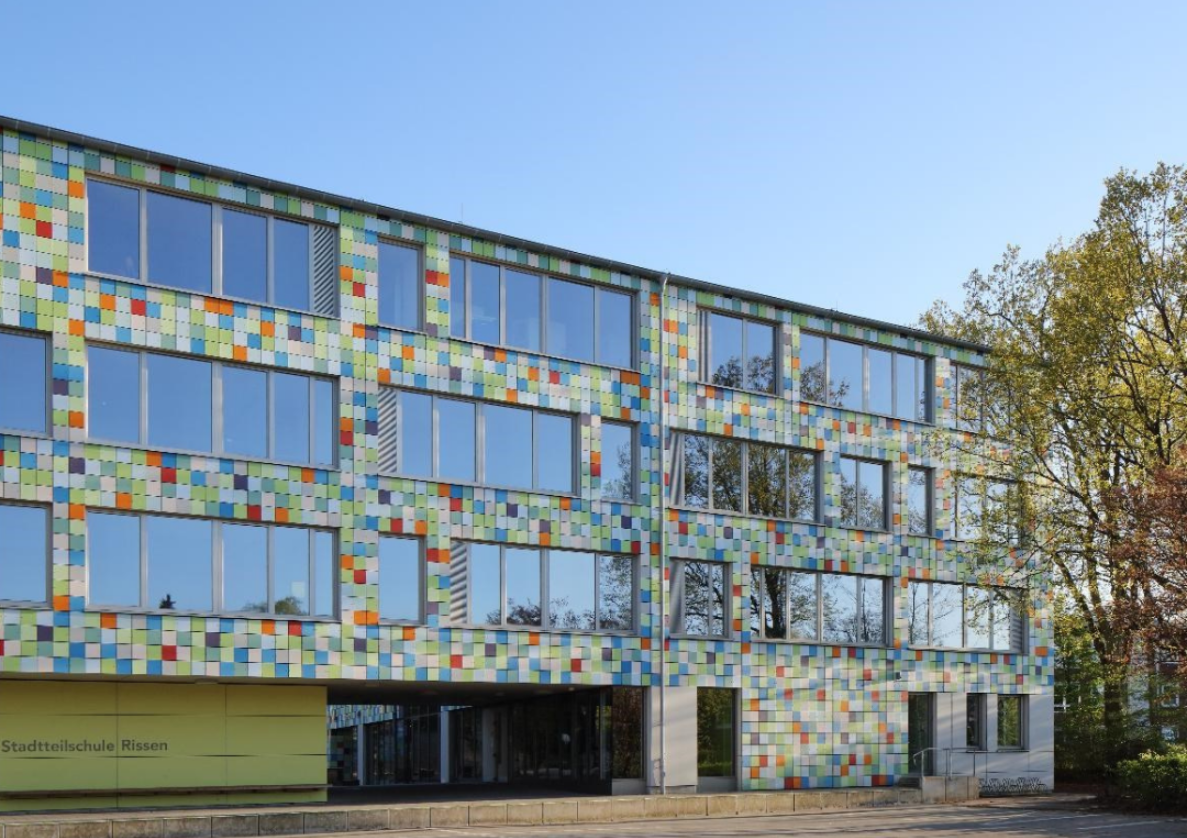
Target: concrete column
{"points": [[360, 753], [490, 744], [444, 744], [680, 719]]}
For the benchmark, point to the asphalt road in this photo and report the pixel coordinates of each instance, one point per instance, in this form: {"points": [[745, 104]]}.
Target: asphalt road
{"points": [[973, 821]]}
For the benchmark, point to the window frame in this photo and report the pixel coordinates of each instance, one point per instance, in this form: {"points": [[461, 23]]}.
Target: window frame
{"points": [[856, 525], [217, 405], [418, 249], [1023, 722], [545, 278], [216, 246], [929, 484], [979, 704], [420, 580], [817, 487], [928, 382], [217, 559], [543, 555], [1014, 616], [633, 477], [727, 603], [479, 443], [705, 353], [47, 384], [48, 558]]}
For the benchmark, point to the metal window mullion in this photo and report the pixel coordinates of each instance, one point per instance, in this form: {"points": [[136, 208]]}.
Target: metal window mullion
{"points": [[861, 611], [310, 285], [928, 615], [270, 268], [597, 326], [502, 306], [744, 466], [434, 443], [311, 413], [217, 408], [597, 591], [865, 378], [216, 559], [270, 397], [827, 374], [532, 442], [467, 291], [545, 282], [893, 384], [709, 475], [142, 532], [502, 585], [544, 568], [216, 249], [964, 629], [745, 355], [270, 570], [142, 430], [479, 443], [143, 243], [311, 570], [819, 607]]}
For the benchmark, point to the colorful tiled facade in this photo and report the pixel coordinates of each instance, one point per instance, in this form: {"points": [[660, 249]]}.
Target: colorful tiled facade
{"points": [[811, 715]]}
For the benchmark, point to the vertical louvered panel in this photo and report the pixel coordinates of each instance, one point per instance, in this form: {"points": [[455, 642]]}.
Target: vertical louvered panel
{"points": [[459, 582], [325, 270], [389, 424]]}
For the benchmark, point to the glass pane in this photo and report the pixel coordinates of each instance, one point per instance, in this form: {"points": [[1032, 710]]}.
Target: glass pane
{"points": [[910, 398], [812, 384], [727, 475], [416, 434], [801, 618], [570, 590], [113, 559], [484, 581], [325, 431], [179, 242], [802, 486], [616, 593], [695, 489], [918, 501], [399, 579], [484, 303], [873, 610], [968, 508], [715, 732], [881, 382], [113, 395], [872, 496], [570, 319], [523, 586], [113, 229], [1009, 721], [725, 351], [24, 553], [756, 601], [767, 488], [615, 328], [457, 297], [455, 427], [974, 731], [291, 408], [717, 599], [844, 374], [245, 412], [977, 617], [245, 255], [325, 574], [22, 382], [290, 569], [508, 453], [290, 264], [917, 596], [839, 595], [847, 479], [774, 587], [969, 396], [399, 286], [703, 599], [554, 452], [1004, 611], [179, 403], [179, 563], [760, 363], [618, 457], [245, 569], [946, 617], [523, 310]]}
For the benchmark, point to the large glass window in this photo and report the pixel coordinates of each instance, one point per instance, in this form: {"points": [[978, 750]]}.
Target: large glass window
{"points": [[24, 370], [618, 461], [515, 308], [784, 604], [715, 732], [423, 435], [863, 494], [400, 286], [563, 590], [1011, 722], [856, 376], [752, 478], [919, 501], [700, 598], [400, 585], [853, 609], [739, 352], [969, 400], [24, 553], [209, 248], [166, 563], [257, 413], [974, 726], [958, 616], [984, 508]]}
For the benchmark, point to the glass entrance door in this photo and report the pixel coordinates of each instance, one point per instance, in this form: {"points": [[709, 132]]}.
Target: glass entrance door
{"points": [[921, 733]]}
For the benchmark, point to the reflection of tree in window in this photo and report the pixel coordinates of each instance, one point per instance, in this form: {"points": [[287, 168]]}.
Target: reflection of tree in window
{"points": [[767, 478], [917, 597], [727, 475], [696, 471], [616, 592], [715, 732], [862, 494], [1009, 721], [703, 604], [839, 599]]}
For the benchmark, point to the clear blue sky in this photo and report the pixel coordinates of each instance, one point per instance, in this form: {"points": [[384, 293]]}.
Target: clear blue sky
{"points": [[857, 155]]}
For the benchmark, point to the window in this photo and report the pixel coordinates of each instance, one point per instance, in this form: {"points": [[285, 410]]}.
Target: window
{"points": [[400, 286], [194, 245], [700, 599], [24, 553], [190, 404], [750, 478], [969, 401], [919, 501], [438, 437], [739, 352], [618, 461], [852, 609], [24, 370], [863, 494], [400, 582], [974, 727], [1011, 722], [511, 307], [784, 604], [986, 509], [562, 590], [957, 616], [860, 377], [715, 732], [158, 562]]}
